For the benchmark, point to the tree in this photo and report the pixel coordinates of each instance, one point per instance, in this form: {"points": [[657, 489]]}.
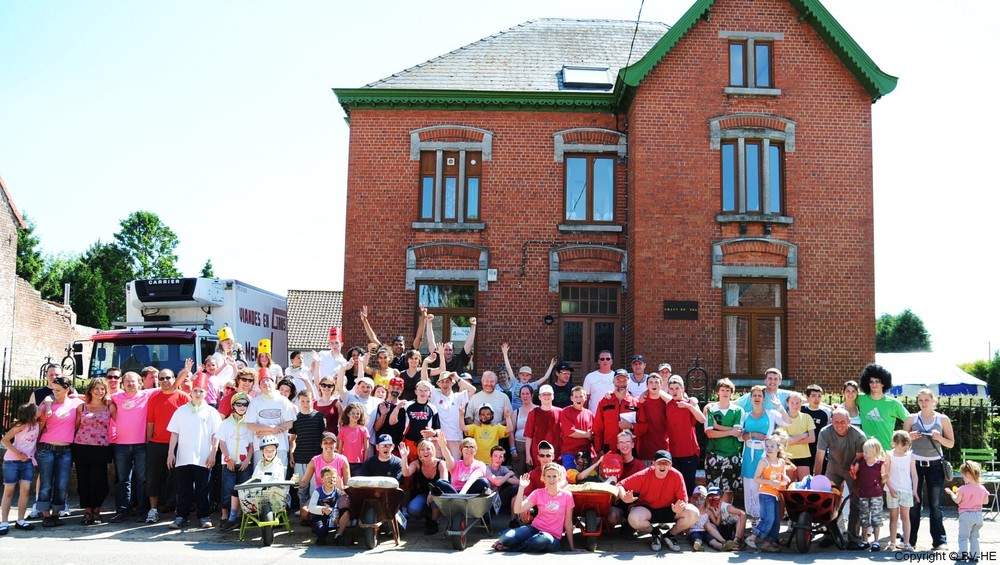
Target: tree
{"points": [[55, 272], [30, 264], [988, 371], [149, 245], [903, 332], [208, 271]]}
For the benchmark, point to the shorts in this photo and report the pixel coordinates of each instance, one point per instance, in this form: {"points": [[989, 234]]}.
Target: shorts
{"points": [[806, 462], [871, 512], [723, 472], [17, 471], [700, 535], [901, 500], [661, 515]]}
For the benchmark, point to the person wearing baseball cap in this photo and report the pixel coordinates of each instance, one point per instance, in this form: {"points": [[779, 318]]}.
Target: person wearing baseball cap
{"points": [[383, 463], [562, 386], [637, 378], [615, 413], [448, 404], [523, 377], [661, 498], [542, 425]]}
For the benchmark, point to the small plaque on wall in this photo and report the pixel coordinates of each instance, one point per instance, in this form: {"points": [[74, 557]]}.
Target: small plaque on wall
{"points": [[680, 310]]}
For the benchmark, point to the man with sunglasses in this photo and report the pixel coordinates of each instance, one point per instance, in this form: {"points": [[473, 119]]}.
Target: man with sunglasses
{"points": [[600, 382], [129, 445], [160, 409]]}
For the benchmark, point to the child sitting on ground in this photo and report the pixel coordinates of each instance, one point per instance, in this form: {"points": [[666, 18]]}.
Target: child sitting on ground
{"points": [[871, 478], [725, 521], [327, 509], [699, 532]]}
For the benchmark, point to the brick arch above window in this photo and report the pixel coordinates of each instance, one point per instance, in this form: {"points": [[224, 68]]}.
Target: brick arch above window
{"points": [[752, 126], [593, 254], [451, 137], [589, 140], [423, 255], [755, 257]]}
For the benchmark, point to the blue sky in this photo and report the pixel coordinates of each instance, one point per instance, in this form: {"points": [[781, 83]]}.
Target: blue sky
{"points": [[219, 116]]}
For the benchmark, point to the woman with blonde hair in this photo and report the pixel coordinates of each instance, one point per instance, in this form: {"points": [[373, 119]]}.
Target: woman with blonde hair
{"points": [[930, 432]]}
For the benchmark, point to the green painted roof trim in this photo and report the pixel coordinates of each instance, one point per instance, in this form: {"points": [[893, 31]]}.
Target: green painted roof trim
{"points": [[876, 82], [351, 98]]}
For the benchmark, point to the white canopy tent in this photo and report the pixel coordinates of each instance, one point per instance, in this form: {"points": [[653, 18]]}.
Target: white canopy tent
{"points": [[914, 371]]}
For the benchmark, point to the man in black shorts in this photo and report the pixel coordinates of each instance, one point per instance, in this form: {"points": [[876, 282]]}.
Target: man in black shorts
{"points": [[660, 497]]}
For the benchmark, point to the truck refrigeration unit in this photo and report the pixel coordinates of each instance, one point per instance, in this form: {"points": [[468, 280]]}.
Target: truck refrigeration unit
{"points": [[170, 320]]}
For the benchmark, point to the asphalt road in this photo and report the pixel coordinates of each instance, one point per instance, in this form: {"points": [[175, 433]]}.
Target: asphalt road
{"points": [[140, 544]]}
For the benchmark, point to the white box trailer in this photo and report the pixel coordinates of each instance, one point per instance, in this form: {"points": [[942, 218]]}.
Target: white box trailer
{"points": [[170, 320]]}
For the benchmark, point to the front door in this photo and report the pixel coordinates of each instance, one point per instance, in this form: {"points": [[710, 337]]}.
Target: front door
{"points": [[588, 324]]}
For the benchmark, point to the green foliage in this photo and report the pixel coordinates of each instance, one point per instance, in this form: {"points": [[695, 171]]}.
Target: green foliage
{"points": [[208, 271], [903, 332], [989, 371], [54, 274], [149, 245], [29, 264]]}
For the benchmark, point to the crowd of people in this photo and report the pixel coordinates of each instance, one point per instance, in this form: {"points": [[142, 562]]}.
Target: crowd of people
{"points": [[181, 443]]}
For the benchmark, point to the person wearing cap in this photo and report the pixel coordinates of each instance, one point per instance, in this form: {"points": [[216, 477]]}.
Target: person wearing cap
{"points": [[450, 405], [270, 414], [576, 429], [129, 447], [725, 521], [229, 352], [236, 444], [420, 419], [383, 463], [391, 404], [328, 458], [599, 382], [562, 388], [542, 425], [637, 378], [723, 421], [191, 453], [159, 409], [486, 433], [523, 377], [455, 362], [615, 413], [489, 395], [772, 390], [701, 533], [664, 370], [264, 360], [658, 496], [683, 413], [398, 342]]}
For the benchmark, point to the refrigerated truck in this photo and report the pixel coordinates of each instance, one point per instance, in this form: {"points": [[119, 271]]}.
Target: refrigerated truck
{"points": [[170, 320]]}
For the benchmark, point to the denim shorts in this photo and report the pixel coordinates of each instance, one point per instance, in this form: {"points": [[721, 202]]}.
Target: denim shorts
{"points": [[15, 471]]}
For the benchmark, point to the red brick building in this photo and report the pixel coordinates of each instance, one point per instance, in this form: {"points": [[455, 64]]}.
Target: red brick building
{"points": [[710, 197]]}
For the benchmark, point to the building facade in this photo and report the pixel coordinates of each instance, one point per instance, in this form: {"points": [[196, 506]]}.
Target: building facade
{"points": [[709, 198]]}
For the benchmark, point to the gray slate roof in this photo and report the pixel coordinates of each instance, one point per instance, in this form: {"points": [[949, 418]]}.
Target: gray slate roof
{"points": [[310, 315], [529, 57]]}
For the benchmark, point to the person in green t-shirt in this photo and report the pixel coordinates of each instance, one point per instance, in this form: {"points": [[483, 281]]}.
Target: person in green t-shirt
{"points": [[879, 412], [723, 426]]}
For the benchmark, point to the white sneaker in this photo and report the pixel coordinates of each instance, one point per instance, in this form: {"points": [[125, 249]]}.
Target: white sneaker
{"points": [[668, 540], [35, 512], [153, 516], [64, 512]]}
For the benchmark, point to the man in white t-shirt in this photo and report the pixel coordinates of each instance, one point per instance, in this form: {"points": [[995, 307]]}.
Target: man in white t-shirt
{"points": [[192, 434], [449, 407], [637, 378], [600, 382], [270, 414], [489, 395]]}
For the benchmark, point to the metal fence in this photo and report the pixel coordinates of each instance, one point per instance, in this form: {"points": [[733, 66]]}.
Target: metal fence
{"points": [[14, 393]]}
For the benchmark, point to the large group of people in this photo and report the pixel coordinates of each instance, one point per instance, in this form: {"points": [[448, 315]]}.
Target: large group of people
{"points": [[180, 443]]}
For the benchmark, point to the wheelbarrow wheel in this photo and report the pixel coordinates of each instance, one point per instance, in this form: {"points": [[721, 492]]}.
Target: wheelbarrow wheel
{"points": [[803, 532], [590, 542], [459, 540], [266, 532], [590, 520], [369, 521]]}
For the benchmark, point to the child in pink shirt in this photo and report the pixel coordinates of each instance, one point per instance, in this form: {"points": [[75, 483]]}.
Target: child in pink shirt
{"points": [[970, 498]]}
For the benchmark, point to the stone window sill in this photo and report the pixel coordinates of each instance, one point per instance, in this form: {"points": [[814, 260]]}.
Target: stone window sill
{"points": [[743, 91], [590, 228], [449, 226], [761, 218]]}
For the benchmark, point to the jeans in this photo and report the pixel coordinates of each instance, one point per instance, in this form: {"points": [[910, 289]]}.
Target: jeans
{"points": [[770, 522], [130, 461], [933, 478], [417, 506], [229, 481], [442, 486], [54, 468], [529, 538], [192, 489]]}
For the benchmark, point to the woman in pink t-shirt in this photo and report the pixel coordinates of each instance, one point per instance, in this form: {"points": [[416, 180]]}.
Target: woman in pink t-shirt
{"points": [[55, 460], [554, 519]]}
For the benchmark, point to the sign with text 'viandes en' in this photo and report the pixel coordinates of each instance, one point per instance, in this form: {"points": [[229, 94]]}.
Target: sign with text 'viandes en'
{"points": [[680, 309]]}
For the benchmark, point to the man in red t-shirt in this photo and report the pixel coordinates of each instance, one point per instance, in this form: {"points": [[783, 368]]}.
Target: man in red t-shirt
{"points": [[682, 415], [576, 428], [630, 466], [659, 497], [651, 424], [615, 413], [159, 409], [542, 425]]}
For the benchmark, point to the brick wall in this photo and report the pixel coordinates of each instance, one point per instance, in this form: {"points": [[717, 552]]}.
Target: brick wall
{"points": [[8, 277], [42, 329], [672, 176]]}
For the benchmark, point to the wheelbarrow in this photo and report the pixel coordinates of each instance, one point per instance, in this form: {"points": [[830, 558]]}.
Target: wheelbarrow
{"points": [[464, 512]]}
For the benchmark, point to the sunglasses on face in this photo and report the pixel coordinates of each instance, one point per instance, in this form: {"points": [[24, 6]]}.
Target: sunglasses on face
{"points": [[326, 386], [114, 377], [246, 380], [545, 455], [604, 359], [241, 404], [161, 379]]}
